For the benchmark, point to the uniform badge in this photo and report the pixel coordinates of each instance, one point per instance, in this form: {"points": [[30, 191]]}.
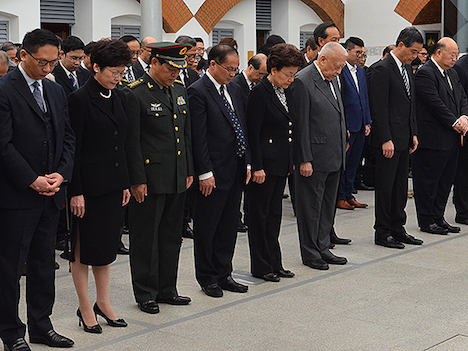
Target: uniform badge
{"points": [[183, 51], [181, 101], [150, 85], [156, 107]]}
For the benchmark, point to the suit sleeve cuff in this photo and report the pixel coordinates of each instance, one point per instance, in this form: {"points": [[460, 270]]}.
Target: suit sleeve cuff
{"points": [[205, 176]]}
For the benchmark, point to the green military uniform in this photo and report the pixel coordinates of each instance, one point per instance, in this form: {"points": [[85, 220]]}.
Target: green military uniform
{"points": [[160, 156]]}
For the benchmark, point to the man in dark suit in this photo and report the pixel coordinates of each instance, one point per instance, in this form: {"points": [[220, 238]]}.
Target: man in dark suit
{"points": [[69, 73], [256, 69], [392, 96], [188, 75], [143, 62], [133, 72], [441, 114], [161, 170], [358, 120], [220, 159], [36, 155], [460, 188], [320, 153], [311, 50]]}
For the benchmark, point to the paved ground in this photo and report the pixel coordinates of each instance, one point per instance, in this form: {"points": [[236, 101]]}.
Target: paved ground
{"points": [[383, 299]]}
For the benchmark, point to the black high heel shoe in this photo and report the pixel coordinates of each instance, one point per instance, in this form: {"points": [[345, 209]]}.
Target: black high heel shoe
{"points": [[113, 323], [95, 329]]}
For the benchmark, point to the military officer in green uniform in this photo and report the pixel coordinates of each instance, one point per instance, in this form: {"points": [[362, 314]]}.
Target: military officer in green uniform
{"points": [[161, 169]]}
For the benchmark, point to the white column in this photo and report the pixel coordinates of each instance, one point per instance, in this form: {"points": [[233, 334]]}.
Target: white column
{"points": [[151, 19]]}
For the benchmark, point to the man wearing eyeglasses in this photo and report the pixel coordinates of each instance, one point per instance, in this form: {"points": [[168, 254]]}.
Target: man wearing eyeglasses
{"points": [[36, 156], [256, 69], [188, 75], [69, 73], [133, 72], [221, 157]]}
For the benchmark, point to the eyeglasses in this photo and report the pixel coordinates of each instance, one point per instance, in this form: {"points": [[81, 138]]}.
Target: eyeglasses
{"points": [[42, 62], [134, 52], [230, 70], [289, 76], [76, 58], [116, 74]]}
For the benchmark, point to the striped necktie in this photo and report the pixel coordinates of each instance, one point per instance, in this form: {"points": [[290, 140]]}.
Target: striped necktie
{"points": [[73, 80], [405, 79]]}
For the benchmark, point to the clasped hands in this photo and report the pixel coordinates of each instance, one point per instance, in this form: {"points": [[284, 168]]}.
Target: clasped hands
{"points": [[47, 185], [462, 125]]}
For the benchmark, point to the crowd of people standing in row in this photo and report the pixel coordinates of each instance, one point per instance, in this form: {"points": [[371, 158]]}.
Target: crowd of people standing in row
{"points": [[153, 132]]}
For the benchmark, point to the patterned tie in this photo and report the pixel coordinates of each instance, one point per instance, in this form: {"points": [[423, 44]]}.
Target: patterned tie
{"points": [[252, 84], [241, 144], [186, 77], [130, 76], [38, 96], [405, 79], [73, 80], [447, 79]]}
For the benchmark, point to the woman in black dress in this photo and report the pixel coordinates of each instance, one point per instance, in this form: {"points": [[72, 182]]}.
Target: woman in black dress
{"points": [[99, 184], [270, 126]]}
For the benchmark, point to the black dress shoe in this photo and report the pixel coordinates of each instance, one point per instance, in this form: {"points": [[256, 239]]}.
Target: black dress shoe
{"points": [[52, 339], [434, 229], [450, 228], [175, 300], [122, 250], [230, 284], [390, 242], [60, 245], [333, 259], [18, 345], [362, 186], [112, 322], [334, 239], [284, 273], [407, 239], [461, 221], [269, 277], [187, 232], [149, 306], [125, 230], [241, 227], [213, 290], [317, 264]]}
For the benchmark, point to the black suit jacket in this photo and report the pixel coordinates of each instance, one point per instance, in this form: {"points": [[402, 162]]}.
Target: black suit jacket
{"points": [[213, 136], [62, 78], [393, 112], [138, 70], [270, 130], [438, 107], [100, 158], [192, 78], [23, 140], [240, 80]]}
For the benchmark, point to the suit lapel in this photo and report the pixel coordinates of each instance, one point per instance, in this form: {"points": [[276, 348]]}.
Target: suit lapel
{"points": [[60, 75], [217, 98], [325, 88], [397, 71], [274, 98], [21, 85], [349, 77]]}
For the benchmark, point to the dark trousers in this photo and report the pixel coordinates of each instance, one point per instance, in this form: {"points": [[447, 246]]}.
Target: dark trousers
{"points": [[433, 176], [27, 235], [215, 229], [315, 210], [266, 207], [391, 193], [189, 206], [460, 189], [155, 240], [353, 158]]}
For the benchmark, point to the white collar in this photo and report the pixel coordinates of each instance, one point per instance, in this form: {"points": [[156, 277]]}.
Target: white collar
{"points": [[351, 67], [306, 58], [318, 69], [249, 83], [67, 72], [397, 60], [29, 80], [437, 65], [213, 80], [142, 63]]}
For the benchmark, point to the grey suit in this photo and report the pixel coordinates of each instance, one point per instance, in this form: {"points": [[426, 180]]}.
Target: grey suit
{"points": [[320, 139]]}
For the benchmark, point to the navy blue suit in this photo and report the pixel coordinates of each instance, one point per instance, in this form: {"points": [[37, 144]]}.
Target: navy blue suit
{"points": [[214, 147], [32, 144], [357, 114]]}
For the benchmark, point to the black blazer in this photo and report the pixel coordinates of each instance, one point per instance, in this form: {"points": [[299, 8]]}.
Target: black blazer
{"points": [[438, 107], [62, 78], [270, 130], [393, 112], [213, 137], [138, 70], [23, 140], [100, 159], [240, 80]]}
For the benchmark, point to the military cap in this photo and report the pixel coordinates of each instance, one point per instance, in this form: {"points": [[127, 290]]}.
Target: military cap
{"points": [[172, 53]]}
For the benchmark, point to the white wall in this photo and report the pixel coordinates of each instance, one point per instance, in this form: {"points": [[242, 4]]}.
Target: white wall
{"points": [[23, 17]]}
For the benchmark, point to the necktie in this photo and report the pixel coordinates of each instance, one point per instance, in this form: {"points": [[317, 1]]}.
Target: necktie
{"points": [[330, 84], [73, 80], [405, 79], [186, 78], [235, 122], [252, 84], [130, 76], [448, 80], [38, 96], [168, 93]]}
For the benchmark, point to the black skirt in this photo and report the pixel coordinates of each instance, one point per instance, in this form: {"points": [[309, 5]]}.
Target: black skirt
{"points": [[99, 229]]}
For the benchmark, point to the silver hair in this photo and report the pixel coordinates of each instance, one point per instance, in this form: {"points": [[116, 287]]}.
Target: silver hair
{"points": [[4, 58], [331, 48]]}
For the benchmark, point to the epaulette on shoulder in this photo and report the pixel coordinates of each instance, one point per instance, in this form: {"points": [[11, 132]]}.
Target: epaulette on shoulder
{"points": [[135, 83], [178, 81]]}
